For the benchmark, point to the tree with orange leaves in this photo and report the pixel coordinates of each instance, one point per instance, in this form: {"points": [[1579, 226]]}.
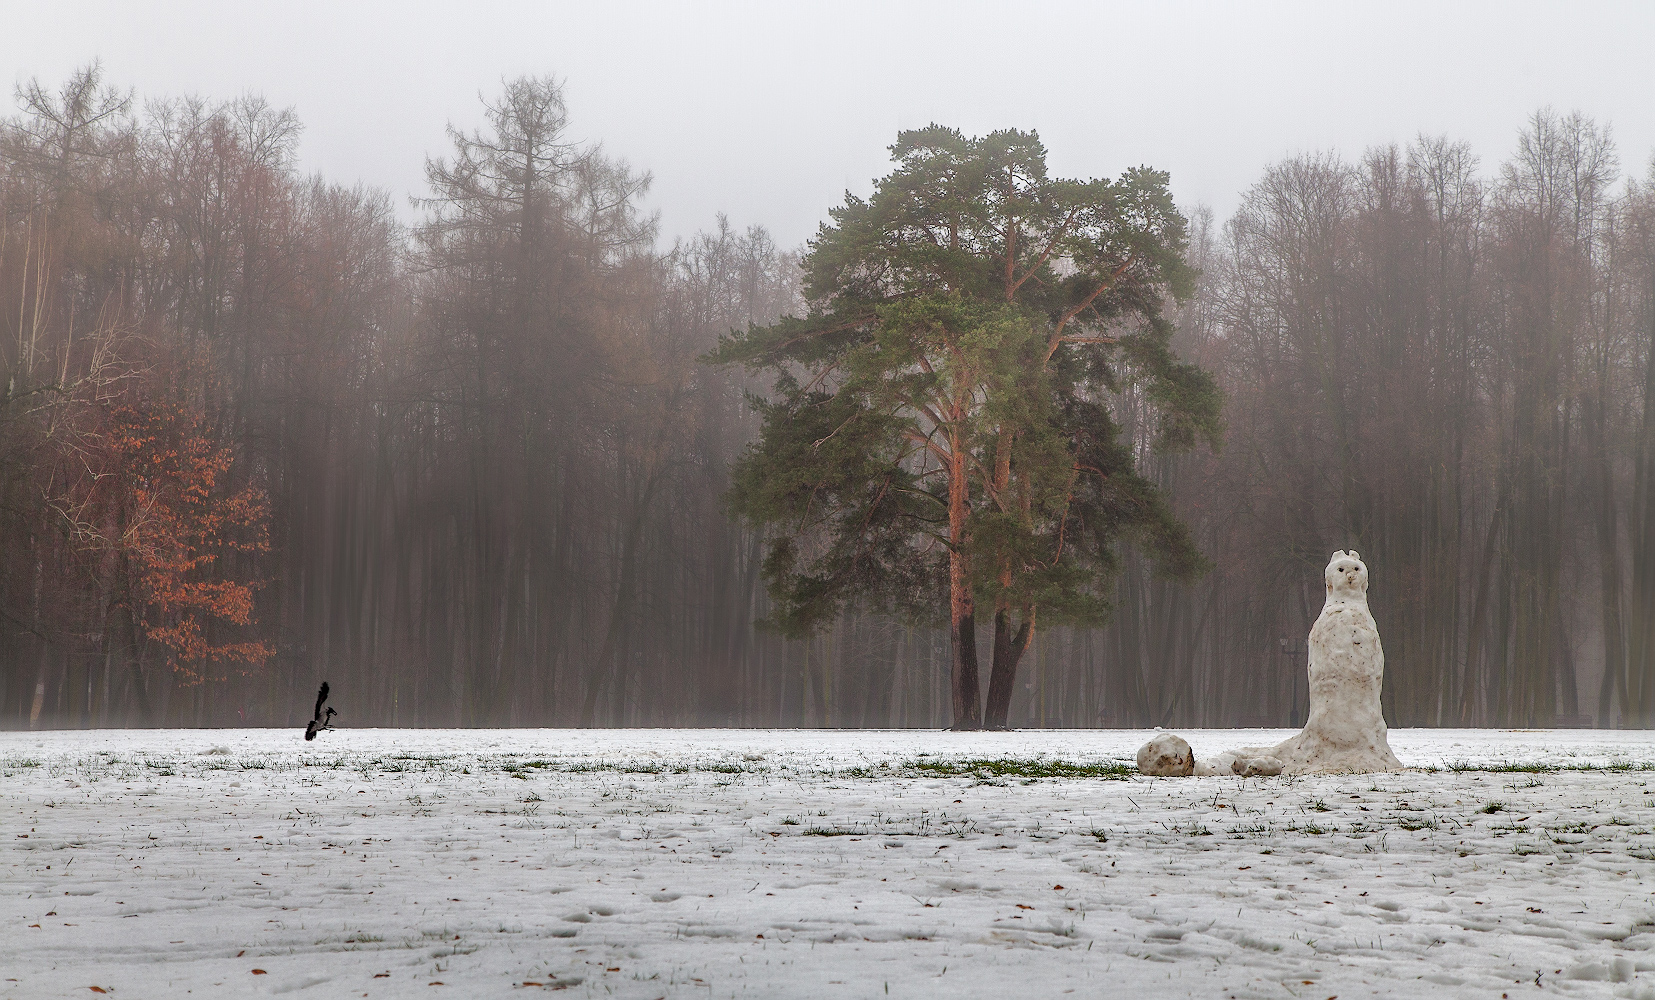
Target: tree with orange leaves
{"points": [[172, 531]]}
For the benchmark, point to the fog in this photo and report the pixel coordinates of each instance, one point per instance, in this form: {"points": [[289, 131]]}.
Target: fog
{"points": [[770, 112], [513, 365]]}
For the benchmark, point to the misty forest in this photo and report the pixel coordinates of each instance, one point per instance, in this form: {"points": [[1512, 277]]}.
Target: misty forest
{"points": [[995, 448]]}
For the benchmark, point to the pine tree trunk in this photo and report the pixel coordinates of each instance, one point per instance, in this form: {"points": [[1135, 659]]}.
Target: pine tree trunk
{"points": [[1008, 652], [962, 624]]}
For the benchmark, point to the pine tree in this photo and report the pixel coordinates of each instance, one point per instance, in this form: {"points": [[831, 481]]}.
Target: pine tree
{"points": [[940, 420]]}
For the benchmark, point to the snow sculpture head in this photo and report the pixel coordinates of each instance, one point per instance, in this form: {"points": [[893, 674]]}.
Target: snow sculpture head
{"points": [[1347, 576]]}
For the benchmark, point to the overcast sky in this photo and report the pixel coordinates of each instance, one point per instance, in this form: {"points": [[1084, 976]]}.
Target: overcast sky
{"points": [[769, 112]]}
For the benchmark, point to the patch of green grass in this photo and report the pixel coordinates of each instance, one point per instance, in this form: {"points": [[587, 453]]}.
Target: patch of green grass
{"points": [[1492, 808], [1007, 767], [1415, 823], [832, 831], [634, 767], [1321, 806], [1548, 767], [588, 767]]}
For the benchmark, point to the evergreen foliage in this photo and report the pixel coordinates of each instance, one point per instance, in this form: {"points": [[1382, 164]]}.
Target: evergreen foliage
{"points": [[939, 421]]}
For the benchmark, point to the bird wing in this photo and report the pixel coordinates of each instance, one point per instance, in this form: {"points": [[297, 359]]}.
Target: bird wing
{"points": [[321, 696]]}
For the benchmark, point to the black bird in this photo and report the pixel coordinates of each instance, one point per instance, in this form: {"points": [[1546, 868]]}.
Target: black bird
{"points": [[321, 721]]}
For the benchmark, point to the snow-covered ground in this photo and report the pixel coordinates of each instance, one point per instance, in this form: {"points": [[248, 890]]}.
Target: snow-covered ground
{"points": [[655, 863]]}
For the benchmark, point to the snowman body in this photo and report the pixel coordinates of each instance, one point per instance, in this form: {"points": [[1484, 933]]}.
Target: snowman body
{"points": [[1346, 732]]}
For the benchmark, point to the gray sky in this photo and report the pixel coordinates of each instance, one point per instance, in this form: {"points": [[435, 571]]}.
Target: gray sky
{"points": [[770, 111]]}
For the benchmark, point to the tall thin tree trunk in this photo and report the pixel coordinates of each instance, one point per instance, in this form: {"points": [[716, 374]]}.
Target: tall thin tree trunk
{"points": [[962, 627]]}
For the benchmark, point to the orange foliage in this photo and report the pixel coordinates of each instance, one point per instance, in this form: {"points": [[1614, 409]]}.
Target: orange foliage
{"points": [[176, 527]]}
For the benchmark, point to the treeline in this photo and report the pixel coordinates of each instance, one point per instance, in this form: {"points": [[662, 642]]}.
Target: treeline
{"points": [[1452, 374], [256, 433]]}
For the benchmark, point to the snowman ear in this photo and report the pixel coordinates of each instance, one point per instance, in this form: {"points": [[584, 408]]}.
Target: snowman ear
{"points": [[1353, 554]]}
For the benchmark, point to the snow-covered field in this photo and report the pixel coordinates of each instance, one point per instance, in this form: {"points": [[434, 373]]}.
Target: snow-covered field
{"points": [[654, 863]]}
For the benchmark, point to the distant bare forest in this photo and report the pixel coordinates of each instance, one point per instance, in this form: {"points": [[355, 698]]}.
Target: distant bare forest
{"points": [[255, 432]]}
